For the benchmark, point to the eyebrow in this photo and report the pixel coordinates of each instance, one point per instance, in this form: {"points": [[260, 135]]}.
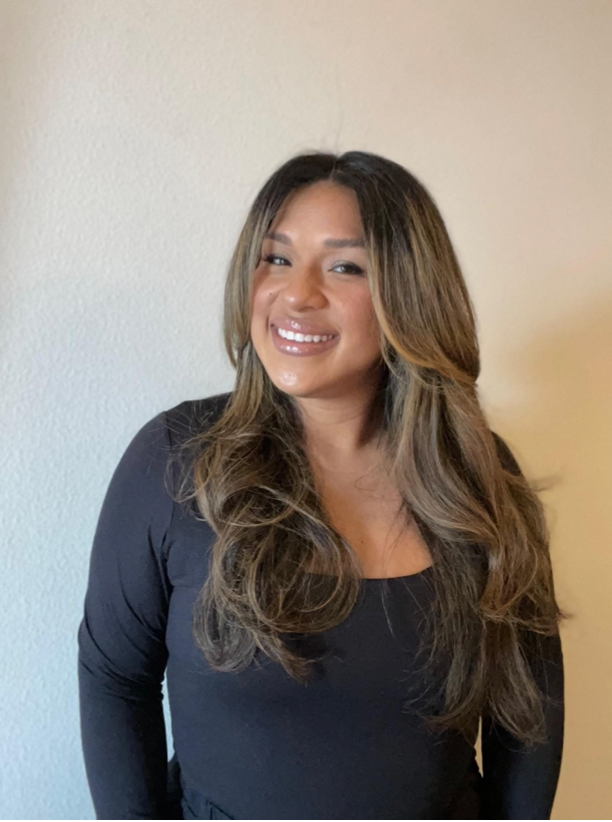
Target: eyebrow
{"points": [[348, 242]]}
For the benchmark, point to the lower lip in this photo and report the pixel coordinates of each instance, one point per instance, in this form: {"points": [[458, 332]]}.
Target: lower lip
{"points": [[301, 349]]}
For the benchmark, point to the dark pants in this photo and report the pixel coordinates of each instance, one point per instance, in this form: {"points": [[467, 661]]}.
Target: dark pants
{"points": [[175, 791], [181, 806]]}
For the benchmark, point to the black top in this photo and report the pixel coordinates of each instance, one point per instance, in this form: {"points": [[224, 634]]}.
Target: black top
{"points": [[256, 744]]}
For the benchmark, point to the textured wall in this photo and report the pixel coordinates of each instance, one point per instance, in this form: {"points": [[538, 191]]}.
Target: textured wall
{"points": [[133, 136]]}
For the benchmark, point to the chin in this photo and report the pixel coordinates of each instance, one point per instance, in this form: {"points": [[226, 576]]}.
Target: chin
{"points": [[301, 391]]}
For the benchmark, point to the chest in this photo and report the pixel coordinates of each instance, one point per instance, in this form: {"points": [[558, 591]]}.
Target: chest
{"points": [[373, 519]]}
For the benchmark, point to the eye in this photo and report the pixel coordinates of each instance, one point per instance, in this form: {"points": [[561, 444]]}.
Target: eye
{"points": [[270, 257], [353, 269]]}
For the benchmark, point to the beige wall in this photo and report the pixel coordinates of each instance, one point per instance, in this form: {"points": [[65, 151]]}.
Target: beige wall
{"points": [[133, 135]]}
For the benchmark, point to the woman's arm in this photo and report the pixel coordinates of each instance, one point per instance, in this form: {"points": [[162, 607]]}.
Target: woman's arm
{"points": [[122, 653], [520, 783]]}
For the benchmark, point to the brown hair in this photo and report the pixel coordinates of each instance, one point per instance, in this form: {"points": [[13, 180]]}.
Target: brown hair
{"points": [[483, 522]]}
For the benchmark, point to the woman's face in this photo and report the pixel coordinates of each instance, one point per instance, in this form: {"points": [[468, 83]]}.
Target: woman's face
{"points": [[305, 285]]}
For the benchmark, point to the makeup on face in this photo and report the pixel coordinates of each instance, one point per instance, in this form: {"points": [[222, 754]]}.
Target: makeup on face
{"points": [[289, 340]]}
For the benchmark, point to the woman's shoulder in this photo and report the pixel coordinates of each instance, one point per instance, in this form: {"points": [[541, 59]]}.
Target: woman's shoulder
{"points": [[191, 417], [163, 448], [161, 438]]}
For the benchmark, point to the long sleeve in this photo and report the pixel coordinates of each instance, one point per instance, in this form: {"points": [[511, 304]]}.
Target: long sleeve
{"points": [[121, 649], [520, 783]]}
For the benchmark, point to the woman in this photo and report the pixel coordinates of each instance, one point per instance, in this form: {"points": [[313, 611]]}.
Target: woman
{"points": [[338, 565]]}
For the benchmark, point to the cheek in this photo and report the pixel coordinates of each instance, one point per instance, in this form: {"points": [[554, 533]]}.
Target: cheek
{"points": [[366, 326], [361, 312], [261, 296]]}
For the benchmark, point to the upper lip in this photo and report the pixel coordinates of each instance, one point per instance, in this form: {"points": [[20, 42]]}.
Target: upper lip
{"points": [[300, 326]]}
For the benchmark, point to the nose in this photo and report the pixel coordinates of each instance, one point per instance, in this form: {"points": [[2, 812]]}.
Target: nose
{"points": [[303, 287]]}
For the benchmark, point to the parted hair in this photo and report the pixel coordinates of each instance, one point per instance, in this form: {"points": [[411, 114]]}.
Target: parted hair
{"points": [[250, 478]]}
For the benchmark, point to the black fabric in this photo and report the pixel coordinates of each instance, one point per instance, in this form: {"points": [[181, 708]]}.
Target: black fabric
{"points": [[257, 745]]}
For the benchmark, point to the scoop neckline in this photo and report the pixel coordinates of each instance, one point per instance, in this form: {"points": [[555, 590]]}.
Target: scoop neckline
{"points": [[384, 579], [404, 576]]}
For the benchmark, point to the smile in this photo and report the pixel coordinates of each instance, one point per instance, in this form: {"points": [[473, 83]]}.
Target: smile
{"points": [[291, 335], [302, 345]]}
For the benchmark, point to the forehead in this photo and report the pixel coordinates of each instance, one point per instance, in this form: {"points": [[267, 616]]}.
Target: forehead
{"points": [[323, 207]]}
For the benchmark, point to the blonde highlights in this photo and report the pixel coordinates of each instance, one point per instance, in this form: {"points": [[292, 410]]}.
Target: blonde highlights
{"points": [[483, 521]]}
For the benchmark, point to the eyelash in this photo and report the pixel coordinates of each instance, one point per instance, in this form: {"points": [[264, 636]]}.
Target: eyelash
{"points": [[355, 269]]}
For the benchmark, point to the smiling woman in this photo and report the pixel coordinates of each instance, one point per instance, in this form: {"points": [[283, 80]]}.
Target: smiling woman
{"points": [[310, 281], [339, 565]]}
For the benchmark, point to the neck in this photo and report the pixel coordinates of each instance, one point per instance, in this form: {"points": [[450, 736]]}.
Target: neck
{"points": [[342, 431]]}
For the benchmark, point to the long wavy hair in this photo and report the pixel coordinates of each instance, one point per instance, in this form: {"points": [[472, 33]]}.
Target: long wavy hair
{"points": [[250, 478]]}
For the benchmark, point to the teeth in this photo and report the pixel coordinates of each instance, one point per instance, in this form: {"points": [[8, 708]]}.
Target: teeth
{"points": [[290, 335]]}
